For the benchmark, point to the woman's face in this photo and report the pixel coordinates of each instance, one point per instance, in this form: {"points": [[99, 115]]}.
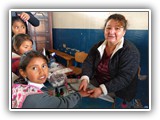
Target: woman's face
{"points": [[113, 31], [25, 47], [36, 71], [18, 27]]}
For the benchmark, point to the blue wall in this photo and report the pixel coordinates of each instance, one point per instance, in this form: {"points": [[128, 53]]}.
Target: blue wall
{"points": [[84, 39]]}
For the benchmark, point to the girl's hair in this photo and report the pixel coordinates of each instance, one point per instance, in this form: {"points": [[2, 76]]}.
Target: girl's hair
{"points": [[28, 56], [118, 17], [19, 39], [17, 18]]}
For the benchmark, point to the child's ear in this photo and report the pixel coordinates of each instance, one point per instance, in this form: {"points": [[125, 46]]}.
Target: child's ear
{"points": [[22, 73]]}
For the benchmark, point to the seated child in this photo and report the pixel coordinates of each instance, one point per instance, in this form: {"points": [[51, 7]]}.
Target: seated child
{"points": [[21, 44], [34, 71]]}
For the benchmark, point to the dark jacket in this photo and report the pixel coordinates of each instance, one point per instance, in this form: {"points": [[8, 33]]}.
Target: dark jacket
{"points": [[123, 67], [33, 20], [46, 101]]}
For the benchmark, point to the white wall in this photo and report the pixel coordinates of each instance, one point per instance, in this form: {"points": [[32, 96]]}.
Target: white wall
{"points": [[96, 20]]}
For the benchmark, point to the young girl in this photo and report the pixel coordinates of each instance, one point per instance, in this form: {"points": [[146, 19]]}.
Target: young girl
{"points": [[21, 44], [20, 27], [33, 69]]}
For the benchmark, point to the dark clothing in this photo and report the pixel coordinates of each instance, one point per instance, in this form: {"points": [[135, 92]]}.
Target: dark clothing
{"points": [[102, 70], [15, 65], [122, 66], [33, 20], [46, 101]]}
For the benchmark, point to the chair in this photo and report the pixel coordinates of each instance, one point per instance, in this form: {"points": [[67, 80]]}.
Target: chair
{"points": [[79, 59], [140, 76]]}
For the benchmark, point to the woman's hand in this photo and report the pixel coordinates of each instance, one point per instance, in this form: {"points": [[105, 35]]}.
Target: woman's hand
{"points": [[24, 16], [83, 85], [95, 93]]}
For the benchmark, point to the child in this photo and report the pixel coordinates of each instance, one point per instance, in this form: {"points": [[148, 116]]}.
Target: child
{"points": [[21, 44], [34, 69], [20, 27]]}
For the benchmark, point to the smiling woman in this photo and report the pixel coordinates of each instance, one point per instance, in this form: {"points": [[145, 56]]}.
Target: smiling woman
{"points": [[88, 29], [112, 64]]}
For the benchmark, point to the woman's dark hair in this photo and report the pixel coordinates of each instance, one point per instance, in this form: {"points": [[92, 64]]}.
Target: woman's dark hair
{"points": [[117, 17], [17, 18], [19, 39], [28, 56]]}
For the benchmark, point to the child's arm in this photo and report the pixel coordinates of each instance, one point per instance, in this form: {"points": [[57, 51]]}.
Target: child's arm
{"points": [[28, 16], [46, 101]]}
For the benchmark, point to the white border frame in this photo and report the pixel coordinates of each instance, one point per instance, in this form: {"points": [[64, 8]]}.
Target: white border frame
{"points": [[81, 10]]}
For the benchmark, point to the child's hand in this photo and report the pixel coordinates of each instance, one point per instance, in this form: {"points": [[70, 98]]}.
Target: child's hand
{"points": [[84, 93]]}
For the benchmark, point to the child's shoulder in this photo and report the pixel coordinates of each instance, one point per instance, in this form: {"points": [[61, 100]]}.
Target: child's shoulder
{"points": [[15, 55]]}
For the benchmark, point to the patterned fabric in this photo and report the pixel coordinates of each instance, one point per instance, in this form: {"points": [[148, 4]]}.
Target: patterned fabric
{"points": [[102, 72], [20, 92]]}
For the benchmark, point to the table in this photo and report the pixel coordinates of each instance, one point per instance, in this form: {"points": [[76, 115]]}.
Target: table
{"points": [[103, 102], [63, 55], [75, 85]]}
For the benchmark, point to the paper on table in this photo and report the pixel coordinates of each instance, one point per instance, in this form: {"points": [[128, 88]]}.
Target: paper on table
{"points": [[107, 98], [63, 71], [103, 97]]}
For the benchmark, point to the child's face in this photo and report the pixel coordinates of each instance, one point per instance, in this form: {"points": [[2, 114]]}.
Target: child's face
{"points": [[18, 27], [25, 46], [37, 70]]}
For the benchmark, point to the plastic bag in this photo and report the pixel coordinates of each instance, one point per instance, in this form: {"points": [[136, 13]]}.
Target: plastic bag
{"points": [[57, 79]]}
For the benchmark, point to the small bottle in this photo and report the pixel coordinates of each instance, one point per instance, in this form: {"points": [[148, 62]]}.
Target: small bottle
{"points": [[61, 92], [52, 59], [57, 92]]}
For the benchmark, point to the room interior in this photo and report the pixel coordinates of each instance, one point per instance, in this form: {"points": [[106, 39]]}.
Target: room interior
{"points": [[72, 31]]}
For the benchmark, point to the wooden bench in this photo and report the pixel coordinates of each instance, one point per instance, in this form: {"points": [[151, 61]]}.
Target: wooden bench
{"points": [[63, 55]]}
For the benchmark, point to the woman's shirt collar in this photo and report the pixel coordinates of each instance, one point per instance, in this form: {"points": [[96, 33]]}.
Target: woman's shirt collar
{"points": [[103, 45]]}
